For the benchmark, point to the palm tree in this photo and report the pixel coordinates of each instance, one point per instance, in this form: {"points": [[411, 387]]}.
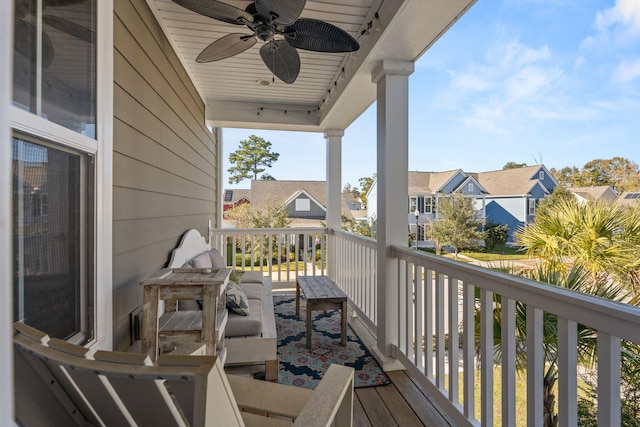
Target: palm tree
{"points": [[603, 239]]}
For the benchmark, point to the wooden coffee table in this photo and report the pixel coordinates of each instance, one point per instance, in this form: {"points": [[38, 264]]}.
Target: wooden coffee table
{"points": [[322, 294]]}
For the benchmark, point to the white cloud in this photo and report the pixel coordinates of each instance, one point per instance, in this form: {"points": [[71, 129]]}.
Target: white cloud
{"points": [[626, 12], [469, 82], [627, 71]]}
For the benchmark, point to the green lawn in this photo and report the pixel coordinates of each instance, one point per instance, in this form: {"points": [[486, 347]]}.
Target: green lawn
{"points": [[500, 253]]}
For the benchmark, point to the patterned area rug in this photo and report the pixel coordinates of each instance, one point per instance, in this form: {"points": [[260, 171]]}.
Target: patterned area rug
{"points": [[304, 368]]}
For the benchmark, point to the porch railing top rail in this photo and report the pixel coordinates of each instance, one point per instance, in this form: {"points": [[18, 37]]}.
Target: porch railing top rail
{"points": [[617, 319], [353, 237], [269, 231]]}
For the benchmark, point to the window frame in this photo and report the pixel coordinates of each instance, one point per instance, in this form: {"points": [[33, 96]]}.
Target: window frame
{"points": [[541, 175], [428, 204], [531, 207], [413, 204], [101, 148]]}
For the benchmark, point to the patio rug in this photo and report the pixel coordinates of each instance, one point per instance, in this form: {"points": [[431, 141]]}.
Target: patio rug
{"points": [[302, 367]]}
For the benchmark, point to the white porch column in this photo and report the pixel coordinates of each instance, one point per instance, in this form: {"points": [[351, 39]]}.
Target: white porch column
{"points": [[392, 79], [334, 194]]}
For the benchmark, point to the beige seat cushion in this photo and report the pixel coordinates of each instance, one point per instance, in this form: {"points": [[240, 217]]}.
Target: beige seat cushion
{"points": [[252, 277], [245, 325]]}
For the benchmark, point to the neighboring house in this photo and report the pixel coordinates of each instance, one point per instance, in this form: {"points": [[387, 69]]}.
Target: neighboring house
{"points": [[504, 196], [629, 198], [514, 194], [601, 193], [305, 201], [234, 198]]}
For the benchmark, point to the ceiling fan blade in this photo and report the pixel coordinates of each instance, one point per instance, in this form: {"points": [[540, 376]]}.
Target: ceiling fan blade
{"points": [[71, 28], [281, 59], [319, 36], [283, 12], [25, 42], [217, 10], [225, 47]]}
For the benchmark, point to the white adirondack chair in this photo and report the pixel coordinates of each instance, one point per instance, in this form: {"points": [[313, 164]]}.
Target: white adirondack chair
{"points": [[61, 384]]}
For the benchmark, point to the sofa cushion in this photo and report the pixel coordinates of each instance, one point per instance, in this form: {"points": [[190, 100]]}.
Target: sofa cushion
{"points": [[201, 261], [252, 276], [216, 259], [236, 299], [238, 326], [253, 290]]}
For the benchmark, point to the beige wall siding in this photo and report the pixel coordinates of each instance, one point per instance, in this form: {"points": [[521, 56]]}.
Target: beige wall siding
{"points": [[164, 157]]}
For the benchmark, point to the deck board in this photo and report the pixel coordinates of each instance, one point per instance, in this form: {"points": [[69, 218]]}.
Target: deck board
{"points": [[376, 410]]}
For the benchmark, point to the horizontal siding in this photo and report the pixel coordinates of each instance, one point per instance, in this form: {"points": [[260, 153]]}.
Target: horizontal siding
{"points": [[164, 157]]}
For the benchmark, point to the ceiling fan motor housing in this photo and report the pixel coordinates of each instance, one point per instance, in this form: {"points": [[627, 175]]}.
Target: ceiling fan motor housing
{"points": [[265, 32]]}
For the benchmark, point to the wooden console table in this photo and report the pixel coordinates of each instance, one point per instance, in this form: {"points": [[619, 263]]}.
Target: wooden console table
{"points": [[322, 294], [180, 330]]}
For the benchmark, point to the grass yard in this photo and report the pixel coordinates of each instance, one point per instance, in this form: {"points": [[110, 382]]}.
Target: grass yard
{"points": [[521, 396], [500, 253]]}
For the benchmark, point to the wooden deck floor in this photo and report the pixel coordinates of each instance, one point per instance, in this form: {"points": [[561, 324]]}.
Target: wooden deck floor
{"points": [[403, 403]]}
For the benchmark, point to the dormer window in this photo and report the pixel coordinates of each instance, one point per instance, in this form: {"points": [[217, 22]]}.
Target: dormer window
{"points": [[303, 205], [541, 175]]}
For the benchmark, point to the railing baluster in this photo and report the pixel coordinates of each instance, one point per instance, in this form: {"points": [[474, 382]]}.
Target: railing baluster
{"points": [[508, 340], [608, 380], [453, 340], [402, 302], [440, 348], [486, 357], [535, 367], [567, 374], [428, 323], [419, 315], [468, 339]]}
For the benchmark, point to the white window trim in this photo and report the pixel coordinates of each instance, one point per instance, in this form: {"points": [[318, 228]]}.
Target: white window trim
{"points": [[102, 148], [6, 232], [415, 204], [531, 207], [541, 175], [470, 187], [428, 202]]}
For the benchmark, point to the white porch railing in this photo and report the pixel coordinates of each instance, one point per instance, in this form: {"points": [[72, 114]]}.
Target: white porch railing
{"points": [[449, 287], [284, 253], [356, 273], [437, 303]]}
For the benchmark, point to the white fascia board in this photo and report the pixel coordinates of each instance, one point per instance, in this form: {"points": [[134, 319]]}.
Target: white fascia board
{"points": [[303, 192]]}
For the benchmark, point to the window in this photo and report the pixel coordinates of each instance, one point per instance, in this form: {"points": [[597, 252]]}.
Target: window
{"points": [[428, 204], [541, 175], [470, 187], [52, 245], [55, 222], [532, 206], [303, 205], [413, 203], [54, 68]]}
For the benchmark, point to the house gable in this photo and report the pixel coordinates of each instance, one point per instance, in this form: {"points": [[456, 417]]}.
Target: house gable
{"points": [[302, 205], [471, 187], [452, 183], [545, 178]]}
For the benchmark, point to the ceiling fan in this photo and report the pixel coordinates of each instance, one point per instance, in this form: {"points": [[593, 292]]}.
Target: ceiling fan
{"points": [[27, 31], [268, 19]]}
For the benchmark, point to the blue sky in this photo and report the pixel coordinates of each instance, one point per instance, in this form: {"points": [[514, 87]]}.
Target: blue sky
{"points": [[512, 80]]}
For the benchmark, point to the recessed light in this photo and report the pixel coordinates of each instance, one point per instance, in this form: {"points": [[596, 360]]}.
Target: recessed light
{"points": [[263, 82]]}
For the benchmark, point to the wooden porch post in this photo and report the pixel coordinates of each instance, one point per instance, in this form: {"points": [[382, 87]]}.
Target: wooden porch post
{"points": [[334, 194], [392, 79]]}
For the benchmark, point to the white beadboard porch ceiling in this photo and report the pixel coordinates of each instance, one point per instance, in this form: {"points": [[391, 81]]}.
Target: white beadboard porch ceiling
{"points": [[231, 88]]}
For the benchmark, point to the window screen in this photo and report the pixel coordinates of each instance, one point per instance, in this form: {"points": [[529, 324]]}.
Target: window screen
{"points": [[52, 213]]}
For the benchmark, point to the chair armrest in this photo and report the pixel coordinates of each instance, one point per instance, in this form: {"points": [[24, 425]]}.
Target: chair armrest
{"points": [[332, 401]]}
